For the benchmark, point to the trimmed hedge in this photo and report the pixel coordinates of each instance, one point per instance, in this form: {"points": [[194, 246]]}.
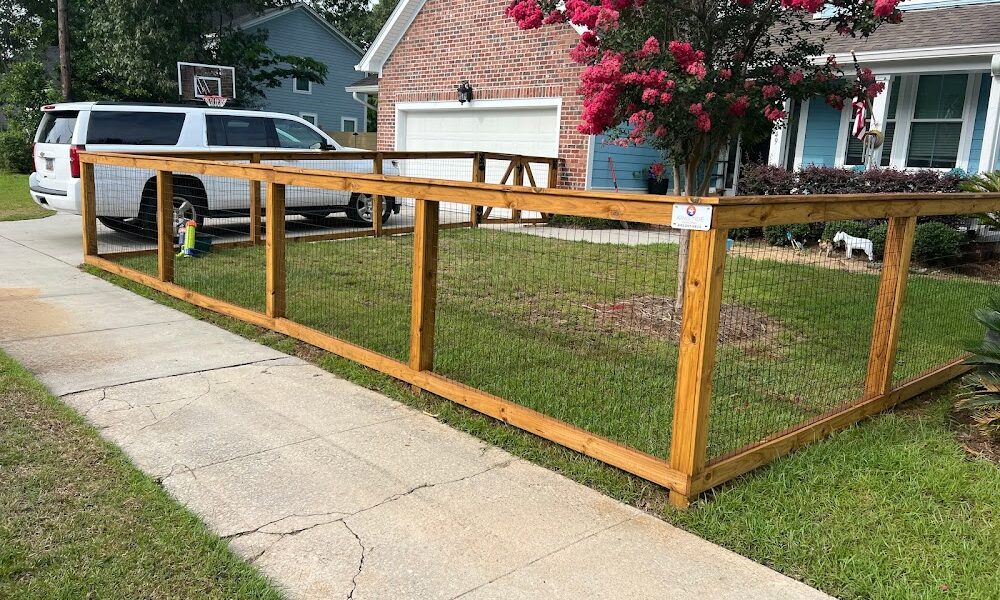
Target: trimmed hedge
{"points": [[936, 243], [761, 180]]}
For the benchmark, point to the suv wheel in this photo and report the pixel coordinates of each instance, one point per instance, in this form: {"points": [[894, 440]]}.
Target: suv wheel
{"points": [[362, 208], [183, 208]]}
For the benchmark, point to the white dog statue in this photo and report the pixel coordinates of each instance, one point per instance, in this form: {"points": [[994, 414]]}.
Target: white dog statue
{"points": [[854, 243]]}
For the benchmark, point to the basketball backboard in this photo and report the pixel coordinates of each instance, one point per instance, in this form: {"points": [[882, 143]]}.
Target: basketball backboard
{"points": [[196, 80]]}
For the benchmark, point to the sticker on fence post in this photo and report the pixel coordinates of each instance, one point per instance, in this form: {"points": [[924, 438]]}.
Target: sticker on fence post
{"points": [[692, 216]]}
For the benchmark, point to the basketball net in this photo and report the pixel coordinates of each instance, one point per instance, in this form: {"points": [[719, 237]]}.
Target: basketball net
{"points": [[213, 100]]}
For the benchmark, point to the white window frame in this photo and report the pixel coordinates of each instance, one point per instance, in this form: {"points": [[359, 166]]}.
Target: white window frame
{"points": [[307, 115], [216, 80], [343, 124], [295, 86], [905, 106]]}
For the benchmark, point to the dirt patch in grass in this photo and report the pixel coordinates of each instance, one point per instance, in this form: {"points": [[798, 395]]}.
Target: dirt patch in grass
{"points": [[655, 316], [807, 256], [973, 439]]}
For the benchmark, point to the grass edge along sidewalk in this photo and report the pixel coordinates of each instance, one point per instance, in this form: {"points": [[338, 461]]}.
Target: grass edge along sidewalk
{"points": [[892, 508], [78, 520], [15, 202]]}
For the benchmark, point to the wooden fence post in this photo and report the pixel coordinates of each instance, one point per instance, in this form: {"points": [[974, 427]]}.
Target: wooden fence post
{"points": [[88, 208], [275, 248], [889, 305], [255, 204], [478, 176], [696, 356], [165, 225], [424, 304], [515, 214], [377, 198]]}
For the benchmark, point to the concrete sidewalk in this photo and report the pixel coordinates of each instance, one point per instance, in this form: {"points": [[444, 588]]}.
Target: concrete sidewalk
{"points": [[333, 490]]}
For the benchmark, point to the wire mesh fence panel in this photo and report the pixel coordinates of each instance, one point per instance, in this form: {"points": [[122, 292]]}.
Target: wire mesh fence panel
{"points": [[357, 289], [794, 334], [576, 324], [954, 270], [125, 204]]}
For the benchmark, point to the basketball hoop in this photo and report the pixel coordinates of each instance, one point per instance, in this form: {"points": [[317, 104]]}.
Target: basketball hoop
{"points": [[215, 101]]}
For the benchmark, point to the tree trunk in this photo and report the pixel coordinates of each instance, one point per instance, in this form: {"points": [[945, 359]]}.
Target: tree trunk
{"points": [[62, 23]]}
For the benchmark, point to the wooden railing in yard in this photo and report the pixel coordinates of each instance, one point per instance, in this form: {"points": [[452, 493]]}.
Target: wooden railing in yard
{"points": [[688, 471]]}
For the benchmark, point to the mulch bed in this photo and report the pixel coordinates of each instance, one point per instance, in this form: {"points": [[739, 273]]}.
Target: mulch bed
{"points": [[655, 316], [975, 441]]}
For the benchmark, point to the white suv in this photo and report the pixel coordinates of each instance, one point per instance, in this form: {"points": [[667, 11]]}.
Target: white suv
{"points": [[126, 198]]}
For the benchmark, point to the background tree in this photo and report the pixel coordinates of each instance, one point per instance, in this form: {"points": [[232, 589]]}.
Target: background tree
{"points": [[356, 18], [688, 77]]}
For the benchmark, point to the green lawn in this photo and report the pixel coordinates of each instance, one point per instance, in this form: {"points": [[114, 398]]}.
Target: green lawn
{"points": [[77, 520], [538, 321], [891, 508], [15, 203]]}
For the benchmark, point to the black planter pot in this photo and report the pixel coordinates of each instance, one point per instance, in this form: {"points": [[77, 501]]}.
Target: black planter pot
{"points": [[660, 187]]}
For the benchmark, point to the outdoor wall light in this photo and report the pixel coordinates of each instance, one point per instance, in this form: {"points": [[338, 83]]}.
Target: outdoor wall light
{"points": [[464, 92]]}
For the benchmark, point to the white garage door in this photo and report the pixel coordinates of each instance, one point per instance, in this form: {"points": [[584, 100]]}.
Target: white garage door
{"points": [[531, 131]]}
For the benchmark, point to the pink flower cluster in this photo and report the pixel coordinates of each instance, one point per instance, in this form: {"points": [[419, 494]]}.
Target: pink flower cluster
{"points": [[702, 121], [688, 59]]}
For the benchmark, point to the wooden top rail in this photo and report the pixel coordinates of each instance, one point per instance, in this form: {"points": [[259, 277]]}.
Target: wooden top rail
{"points": [[339, 155], [729, 212]]}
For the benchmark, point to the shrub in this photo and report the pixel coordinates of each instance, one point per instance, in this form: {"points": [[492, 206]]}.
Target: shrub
{"points": [[745, 233], [769, 180], [777, 235], [852, 228], [936, 243], [877, 234], [981, 396]]}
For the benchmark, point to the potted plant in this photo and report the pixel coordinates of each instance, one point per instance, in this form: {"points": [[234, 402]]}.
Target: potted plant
{"points": [[656, 180]]}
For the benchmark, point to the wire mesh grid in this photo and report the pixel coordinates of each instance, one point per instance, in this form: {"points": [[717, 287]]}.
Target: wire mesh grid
{"points": [[125, 203], [954, 269], [794, 335], [575, 323]]}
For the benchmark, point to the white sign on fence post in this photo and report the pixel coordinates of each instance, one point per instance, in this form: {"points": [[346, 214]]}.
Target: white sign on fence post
{"points": [[692, 216]]}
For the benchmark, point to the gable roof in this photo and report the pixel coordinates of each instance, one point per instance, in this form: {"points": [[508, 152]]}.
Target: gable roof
{"points": [[273, 13], [390, 36]]}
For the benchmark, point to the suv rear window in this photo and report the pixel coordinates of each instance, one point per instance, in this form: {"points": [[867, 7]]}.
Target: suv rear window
{"points": [[234, 130], [135, 128], [57, 127]]}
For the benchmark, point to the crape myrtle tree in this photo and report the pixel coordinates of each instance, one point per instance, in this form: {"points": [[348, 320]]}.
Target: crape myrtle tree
{"points": [[688, 77]]}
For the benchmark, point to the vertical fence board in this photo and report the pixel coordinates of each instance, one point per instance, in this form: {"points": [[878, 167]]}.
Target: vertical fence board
{"points": [[478, 176], [889, 305], [275, 248], [255, 205], [515, 214], [696, 355], [165, 225], [425, 258], [88, 208], [377, 199]]}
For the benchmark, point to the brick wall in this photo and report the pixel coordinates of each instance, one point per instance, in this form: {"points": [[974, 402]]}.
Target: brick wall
{"points": [[452, 40]]}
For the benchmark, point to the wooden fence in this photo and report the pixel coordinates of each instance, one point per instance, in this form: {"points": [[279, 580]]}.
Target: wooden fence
{"points": [[688, 471]]}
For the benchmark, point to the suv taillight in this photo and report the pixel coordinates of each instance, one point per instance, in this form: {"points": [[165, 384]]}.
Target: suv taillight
{"points": [[74, 161]]}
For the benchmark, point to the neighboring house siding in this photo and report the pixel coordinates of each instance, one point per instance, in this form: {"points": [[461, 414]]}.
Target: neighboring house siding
{"points": [[631, 165], [979, 126], [822, 129], [452, 40], [298, 33]]}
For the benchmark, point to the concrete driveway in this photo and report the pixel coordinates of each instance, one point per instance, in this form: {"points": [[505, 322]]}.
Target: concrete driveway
{"points": [[333, 490]]}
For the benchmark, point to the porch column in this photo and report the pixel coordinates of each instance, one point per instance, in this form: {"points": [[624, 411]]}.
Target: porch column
{"points": [[991, 134]]}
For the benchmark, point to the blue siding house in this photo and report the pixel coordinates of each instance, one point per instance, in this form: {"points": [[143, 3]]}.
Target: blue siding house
{"points": [[299, 30], [941, 107]]}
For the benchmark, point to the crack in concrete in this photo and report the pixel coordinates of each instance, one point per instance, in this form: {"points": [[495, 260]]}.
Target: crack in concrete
{"points": [[542, 557], [361, 562], [249, 454], [89, 331]]}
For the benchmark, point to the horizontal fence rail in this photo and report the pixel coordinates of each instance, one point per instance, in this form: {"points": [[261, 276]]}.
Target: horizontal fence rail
{"points": [[472, 292]]}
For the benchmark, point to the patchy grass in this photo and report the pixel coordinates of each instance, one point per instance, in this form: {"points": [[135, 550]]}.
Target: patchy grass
{"points": [[533, 320], [77, 520], [15, 203], [892, 508]]}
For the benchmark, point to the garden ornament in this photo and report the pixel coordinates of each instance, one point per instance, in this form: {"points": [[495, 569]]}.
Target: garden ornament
{"points": [[854, 243]]}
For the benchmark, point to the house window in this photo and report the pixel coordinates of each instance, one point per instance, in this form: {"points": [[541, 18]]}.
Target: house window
{"points": [[302, 86], [348, 125], [936, 126], [311, 118]]}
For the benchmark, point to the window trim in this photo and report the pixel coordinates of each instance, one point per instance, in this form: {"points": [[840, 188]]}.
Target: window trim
{"points": [[295, 86], [305, 116], [343, 124], [904, 118]]}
